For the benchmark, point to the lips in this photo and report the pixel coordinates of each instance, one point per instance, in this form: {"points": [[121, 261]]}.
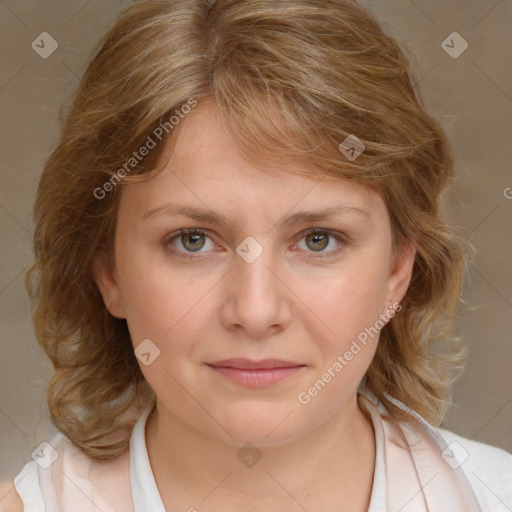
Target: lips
{"points": [[256, 374], [248, 364]]}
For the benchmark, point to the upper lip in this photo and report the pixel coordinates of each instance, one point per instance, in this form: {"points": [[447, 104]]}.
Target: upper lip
{"points": [[248, 364]]}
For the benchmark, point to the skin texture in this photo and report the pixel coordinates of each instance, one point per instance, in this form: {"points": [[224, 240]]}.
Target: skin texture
{"points": [[286, 304], [9, 499]]}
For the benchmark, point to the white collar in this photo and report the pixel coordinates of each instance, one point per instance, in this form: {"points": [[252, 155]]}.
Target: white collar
{"points": [[422, 457], [145, 491]]}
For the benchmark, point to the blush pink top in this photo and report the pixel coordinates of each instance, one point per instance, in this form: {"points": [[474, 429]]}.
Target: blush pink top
{"points": [[418, 468]]}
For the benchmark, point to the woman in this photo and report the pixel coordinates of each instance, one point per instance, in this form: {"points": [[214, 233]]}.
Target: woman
{"points": [[243, 276]]}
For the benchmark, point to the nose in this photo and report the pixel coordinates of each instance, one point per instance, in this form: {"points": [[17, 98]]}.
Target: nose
{"points": [[256, 299]]}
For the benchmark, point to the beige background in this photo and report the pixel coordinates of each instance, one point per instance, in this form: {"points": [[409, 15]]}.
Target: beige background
{"points": [[471, 95]]}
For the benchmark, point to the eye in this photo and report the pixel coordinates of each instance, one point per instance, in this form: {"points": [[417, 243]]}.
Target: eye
{"points": [[189, 241], [317, 241]]}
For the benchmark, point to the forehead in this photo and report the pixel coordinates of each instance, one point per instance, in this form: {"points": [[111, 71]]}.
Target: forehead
{"points": [[205, 168]]}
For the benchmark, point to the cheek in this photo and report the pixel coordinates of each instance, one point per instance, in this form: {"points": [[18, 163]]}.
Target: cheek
{"points": [[349, 306], [348, 301], [172, 313], [162, 303], [159, 309]]}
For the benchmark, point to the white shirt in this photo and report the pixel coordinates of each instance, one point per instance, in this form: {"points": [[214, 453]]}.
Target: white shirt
{"points": [[418, 468]]}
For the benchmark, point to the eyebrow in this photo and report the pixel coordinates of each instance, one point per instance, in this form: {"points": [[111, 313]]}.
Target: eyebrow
{"points": [[211, 217]]}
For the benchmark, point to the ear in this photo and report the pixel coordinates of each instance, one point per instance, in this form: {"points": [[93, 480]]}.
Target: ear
{"points": [[400, 271], [105, 277]]}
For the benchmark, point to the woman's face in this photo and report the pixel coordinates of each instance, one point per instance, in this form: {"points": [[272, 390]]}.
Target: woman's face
{"points": [[295, 271]]}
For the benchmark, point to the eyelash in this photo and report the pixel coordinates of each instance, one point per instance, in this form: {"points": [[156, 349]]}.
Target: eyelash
{"points": [[196, 231]]}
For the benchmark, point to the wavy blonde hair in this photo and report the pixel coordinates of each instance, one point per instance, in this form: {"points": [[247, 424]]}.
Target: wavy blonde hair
{"points": [[289, 80]]}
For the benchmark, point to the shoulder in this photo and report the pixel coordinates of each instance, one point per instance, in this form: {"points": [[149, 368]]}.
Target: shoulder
{"points": [[10, 500], [24, 493], [479, 452], [34, 488], [62, 477], [488, 468]]}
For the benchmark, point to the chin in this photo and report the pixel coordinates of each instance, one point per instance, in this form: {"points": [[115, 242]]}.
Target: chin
{"points": [[260, 424]]}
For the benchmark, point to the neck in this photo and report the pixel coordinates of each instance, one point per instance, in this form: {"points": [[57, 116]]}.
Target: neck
{"points": [[318, 471]]}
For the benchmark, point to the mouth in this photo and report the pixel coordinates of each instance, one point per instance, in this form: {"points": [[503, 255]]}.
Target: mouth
{"points": [[256, 374]]}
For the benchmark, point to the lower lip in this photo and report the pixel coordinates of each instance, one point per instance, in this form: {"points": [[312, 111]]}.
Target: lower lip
{"points": [[258, 378]]}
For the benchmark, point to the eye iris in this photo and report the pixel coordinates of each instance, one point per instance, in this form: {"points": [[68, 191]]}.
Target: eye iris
{"points": [[320, 239], [192, 238]]}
